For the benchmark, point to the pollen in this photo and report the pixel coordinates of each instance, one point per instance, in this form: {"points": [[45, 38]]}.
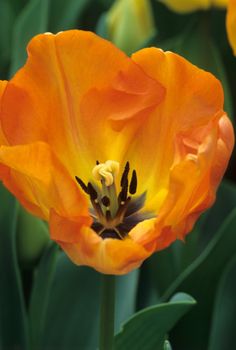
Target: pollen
{"points": [[106, 171]]}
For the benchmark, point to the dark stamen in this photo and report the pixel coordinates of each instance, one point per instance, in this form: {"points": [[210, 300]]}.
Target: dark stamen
{"points": [[125, 174], [122, 207], [133, 183], [97, 162], [96, 226], [92, 192], [108, 215], [82, 184], [123, 193], [105, 201], [110, 233]]}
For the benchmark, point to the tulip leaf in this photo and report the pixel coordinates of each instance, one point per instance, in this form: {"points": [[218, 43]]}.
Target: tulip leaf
{"points": [[72, 317], [32, 238], [167, 345], [101, 27], [205, 270], [126, 287], [223, 325], [32, 20], [40, 294], [64, 14], [13, 324], [214, 218], [147, 329], [7, 17], [164, 17], [165, 266], [106, 3]]}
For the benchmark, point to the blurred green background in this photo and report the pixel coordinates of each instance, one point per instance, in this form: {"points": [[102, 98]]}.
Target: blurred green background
{"points": [[46, 302]]}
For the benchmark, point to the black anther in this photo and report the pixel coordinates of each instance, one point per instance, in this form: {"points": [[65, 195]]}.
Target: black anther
{"points": [[92, 192], [133, 183], [123, 192], [82, 184], [125, 174]]}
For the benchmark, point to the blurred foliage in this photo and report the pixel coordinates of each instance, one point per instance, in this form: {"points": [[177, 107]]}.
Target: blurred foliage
{"points": [[45, 301]]}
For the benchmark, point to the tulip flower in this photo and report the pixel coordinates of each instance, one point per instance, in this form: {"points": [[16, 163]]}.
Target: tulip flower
{"points": [[130, 24], [231, 24], [120, 155], [184, 6]]}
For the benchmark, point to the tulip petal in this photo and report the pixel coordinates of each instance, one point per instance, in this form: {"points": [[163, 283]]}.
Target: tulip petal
{"points": [[188, 141], [46, 96], [3, 84], [193, 98], [110, 256], [192, 186], [231, 24], [40, 182], [197, 187]]}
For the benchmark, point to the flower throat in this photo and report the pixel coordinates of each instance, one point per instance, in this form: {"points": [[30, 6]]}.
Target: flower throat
{"points": [[114, 215]]}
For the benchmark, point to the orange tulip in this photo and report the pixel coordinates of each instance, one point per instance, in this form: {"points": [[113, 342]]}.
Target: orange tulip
{"points": [[231, 24], [153, 122]]}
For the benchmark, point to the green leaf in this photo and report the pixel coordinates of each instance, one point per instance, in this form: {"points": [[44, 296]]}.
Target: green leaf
{"points": [[224, 315], [13, 324], [147, 329], [73, 306], [7, 17], [64, 14], [32, 20], [162, 268], [40, 294], [101, 27], [106, 3], [157, 273], [214, 218], [200, 280], [167, 345], [32, 238], [126, 287], [168, 22]]}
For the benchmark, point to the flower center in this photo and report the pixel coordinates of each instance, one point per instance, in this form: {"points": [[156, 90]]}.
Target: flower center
{"points": [[114, 214]]}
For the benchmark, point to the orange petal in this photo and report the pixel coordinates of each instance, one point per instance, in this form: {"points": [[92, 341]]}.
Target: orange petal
{"points": [[231, 24], [192, 186], [205, 173], [193, 98], [46, 96], [40, 182], [110, 256]]}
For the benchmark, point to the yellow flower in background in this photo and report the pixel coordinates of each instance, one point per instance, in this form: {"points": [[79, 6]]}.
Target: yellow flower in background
{"points": [[130, 24], [184, 6], [120, 155], [231, 24]]}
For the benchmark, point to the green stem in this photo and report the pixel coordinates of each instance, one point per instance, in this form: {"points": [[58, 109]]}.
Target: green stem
{"points": [[107, 312]]}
